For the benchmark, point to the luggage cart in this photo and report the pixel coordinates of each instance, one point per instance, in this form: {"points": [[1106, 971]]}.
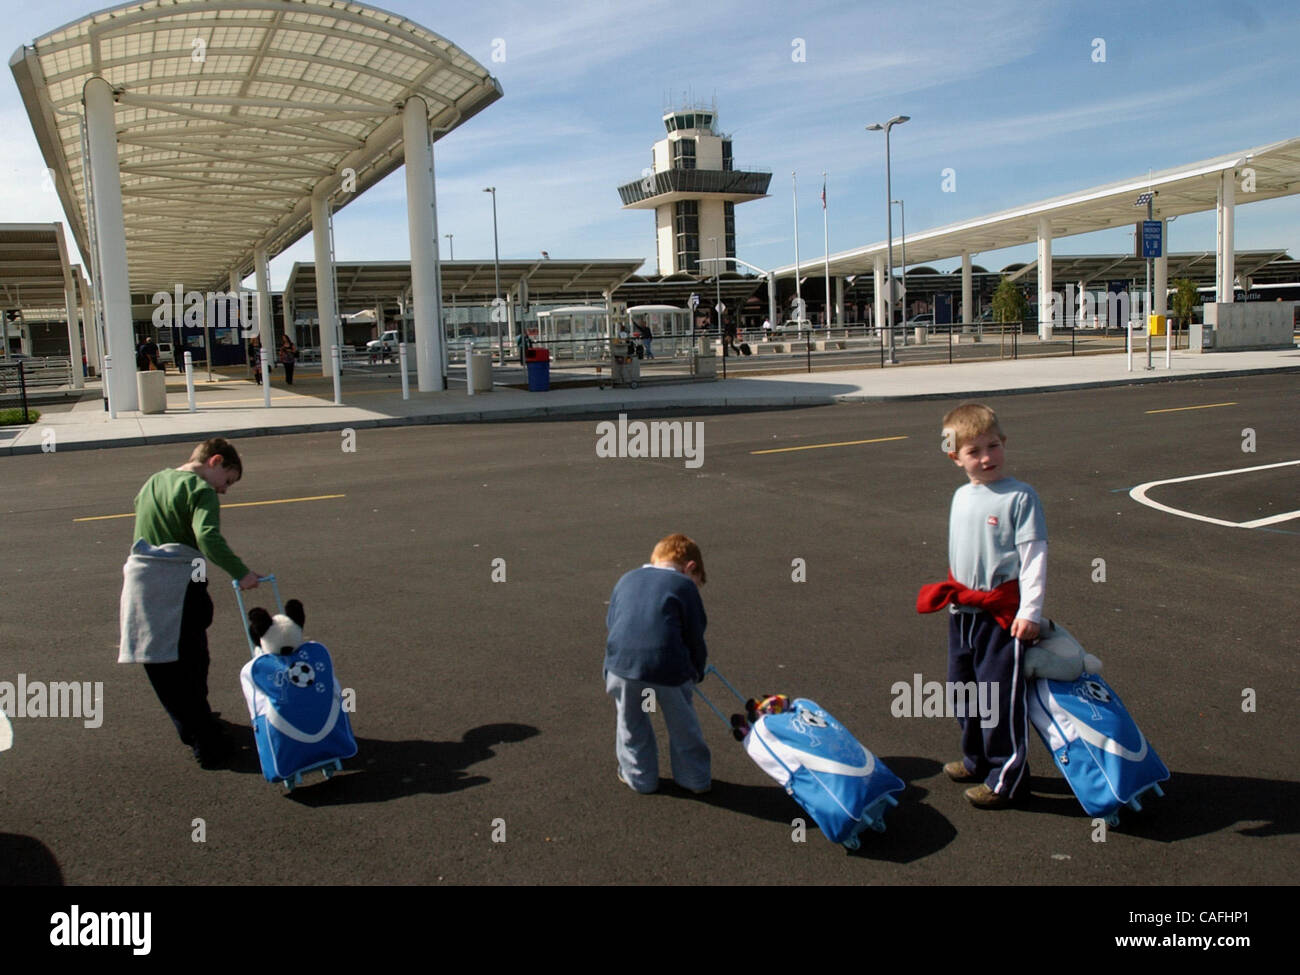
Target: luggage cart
{"points": [[624, 367]]}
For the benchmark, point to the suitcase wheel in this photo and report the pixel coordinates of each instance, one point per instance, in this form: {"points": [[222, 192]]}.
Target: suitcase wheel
{"points": [[852, 843], [1112, 820]]}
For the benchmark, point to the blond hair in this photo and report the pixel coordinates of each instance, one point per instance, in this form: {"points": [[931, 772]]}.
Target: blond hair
{"points": [[968, 421]]}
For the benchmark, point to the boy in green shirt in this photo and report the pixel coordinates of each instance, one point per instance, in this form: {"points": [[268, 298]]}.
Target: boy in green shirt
{"points": [[177, 515]]}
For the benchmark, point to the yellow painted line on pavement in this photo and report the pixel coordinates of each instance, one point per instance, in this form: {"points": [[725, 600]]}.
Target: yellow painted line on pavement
{"points": [[818, 446], [1179, 409], [241, 504]]}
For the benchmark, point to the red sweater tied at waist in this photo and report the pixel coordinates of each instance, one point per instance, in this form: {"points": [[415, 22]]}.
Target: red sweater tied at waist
{"points": [[1002, 603]]}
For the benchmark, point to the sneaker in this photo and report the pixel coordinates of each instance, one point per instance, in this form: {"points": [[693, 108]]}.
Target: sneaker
{"points": [[982, 797], [699, 792], [958, 772]]}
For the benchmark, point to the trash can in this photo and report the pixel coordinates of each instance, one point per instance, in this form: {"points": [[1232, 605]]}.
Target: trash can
{"points": [[479, 370], [538, 362], [151, 387]]}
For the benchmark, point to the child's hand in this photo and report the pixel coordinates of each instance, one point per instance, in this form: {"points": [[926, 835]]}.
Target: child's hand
{"points": [[250, 581], [1024, 630]]}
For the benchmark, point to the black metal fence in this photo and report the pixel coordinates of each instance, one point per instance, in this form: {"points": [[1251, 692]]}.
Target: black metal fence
{"points": [[13, 378]]}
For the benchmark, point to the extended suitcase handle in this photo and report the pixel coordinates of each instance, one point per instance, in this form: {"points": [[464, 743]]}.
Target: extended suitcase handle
{"points": [[243, 613], [710, 669]]}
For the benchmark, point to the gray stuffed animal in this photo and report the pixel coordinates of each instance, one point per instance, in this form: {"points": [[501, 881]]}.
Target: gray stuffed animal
{"points": [[1059, 656]]}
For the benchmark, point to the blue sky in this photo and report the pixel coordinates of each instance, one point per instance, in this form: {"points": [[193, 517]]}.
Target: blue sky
{"points": [[1006, 93]]}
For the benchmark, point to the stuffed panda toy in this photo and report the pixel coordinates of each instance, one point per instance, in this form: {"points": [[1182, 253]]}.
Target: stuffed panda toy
{"points": [[278, 634]]}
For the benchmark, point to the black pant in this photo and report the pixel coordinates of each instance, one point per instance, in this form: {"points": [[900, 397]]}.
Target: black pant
{"points": [[182, 686], [288, 372]]}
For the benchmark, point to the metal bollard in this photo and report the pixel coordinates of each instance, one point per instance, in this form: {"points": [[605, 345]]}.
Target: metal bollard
{"points": [[406, 382], [469, 382], [189, 380], [338, 375], [108, 386]]}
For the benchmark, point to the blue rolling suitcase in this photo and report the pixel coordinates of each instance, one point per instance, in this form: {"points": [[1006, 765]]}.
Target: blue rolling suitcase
{"points": [[1096, 744], [295, 703], [841, 785]]}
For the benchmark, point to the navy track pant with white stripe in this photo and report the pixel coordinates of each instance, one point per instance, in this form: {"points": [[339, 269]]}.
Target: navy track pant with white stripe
{"points": [[982, 651]]}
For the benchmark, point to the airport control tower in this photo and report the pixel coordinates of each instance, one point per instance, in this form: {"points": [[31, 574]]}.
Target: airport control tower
{"points": [[693, 188]]}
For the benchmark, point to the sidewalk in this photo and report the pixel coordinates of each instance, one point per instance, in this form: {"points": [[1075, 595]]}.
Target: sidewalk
{"points": [[233, 407]]}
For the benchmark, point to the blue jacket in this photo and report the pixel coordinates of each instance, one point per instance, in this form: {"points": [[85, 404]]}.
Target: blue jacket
{"points": [[656, 627]]}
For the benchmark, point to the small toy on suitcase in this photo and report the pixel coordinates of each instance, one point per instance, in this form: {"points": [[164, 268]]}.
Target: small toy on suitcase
{"points": [[1084, 724], [295, 703], [842, 786]]}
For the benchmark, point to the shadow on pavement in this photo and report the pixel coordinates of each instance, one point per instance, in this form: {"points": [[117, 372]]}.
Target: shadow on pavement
{"points": [[26, 861], [1193, 805], [913, 829], [384, 770]]}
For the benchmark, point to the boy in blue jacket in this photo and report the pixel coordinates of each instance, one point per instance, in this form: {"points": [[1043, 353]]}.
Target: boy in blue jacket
{"points": [[654, 656]]}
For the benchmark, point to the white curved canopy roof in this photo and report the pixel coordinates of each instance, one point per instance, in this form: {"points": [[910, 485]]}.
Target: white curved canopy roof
{"points": [[1183, 189], [231, 112]]}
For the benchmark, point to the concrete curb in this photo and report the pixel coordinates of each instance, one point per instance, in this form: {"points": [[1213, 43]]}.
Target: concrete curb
{"points": [[722, 403]]}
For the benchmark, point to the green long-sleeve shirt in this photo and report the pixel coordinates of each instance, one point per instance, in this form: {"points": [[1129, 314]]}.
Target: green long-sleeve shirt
{"points": [[179, 506]]}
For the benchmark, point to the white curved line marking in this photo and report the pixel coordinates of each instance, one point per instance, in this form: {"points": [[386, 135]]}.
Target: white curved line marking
{"points": [[1139, 494]]}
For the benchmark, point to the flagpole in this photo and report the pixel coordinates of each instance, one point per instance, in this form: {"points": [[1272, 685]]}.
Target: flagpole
{"points": [[826, 234], [798, 293]]}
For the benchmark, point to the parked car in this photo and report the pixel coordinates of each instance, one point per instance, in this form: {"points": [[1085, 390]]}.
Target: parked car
{"points": [[166, 355], [385, 345]]}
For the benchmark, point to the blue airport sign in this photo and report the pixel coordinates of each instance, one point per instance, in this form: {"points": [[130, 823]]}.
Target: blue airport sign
{"points": [[1151, 238]]}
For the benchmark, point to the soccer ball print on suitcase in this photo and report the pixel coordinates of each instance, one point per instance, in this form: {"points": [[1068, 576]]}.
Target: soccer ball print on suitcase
{"points": [[1095, 743], [840, 783], [295, 703]]}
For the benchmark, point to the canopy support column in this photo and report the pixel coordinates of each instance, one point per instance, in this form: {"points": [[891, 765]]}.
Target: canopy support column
{"points": [[422, 226], [1045, 308], [110, 243], [265, 326], [1161, 277], [327, 310], [880, 292], [1225, 247], [967, 297]]}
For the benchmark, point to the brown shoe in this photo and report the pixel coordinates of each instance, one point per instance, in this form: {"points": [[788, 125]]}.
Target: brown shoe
{"points": [[958, 772], [982, 797]]}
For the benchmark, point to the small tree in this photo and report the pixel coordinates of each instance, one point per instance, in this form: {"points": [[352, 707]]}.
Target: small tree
{"points": [[1009, 303], [1186, 298]]}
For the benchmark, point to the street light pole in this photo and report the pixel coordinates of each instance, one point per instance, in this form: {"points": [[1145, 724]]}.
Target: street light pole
{"points": [[889, 227], [496, 270], [902, 233]]}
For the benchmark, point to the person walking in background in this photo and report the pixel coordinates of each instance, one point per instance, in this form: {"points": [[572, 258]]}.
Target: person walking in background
{"points": [[288, 356]]}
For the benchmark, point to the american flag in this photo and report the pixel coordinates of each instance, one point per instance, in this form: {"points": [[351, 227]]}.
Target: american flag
{"points": [[823, 194]]}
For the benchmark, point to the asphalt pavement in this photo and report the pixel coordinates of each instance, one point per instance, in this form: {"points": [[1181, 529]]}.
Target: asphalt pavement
{"points": [[460, 573]]}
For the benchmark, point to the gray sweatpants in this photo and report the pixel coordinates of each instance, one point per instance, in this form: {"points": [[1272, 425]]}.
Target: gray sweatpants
{"points": [[634, 739]]}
